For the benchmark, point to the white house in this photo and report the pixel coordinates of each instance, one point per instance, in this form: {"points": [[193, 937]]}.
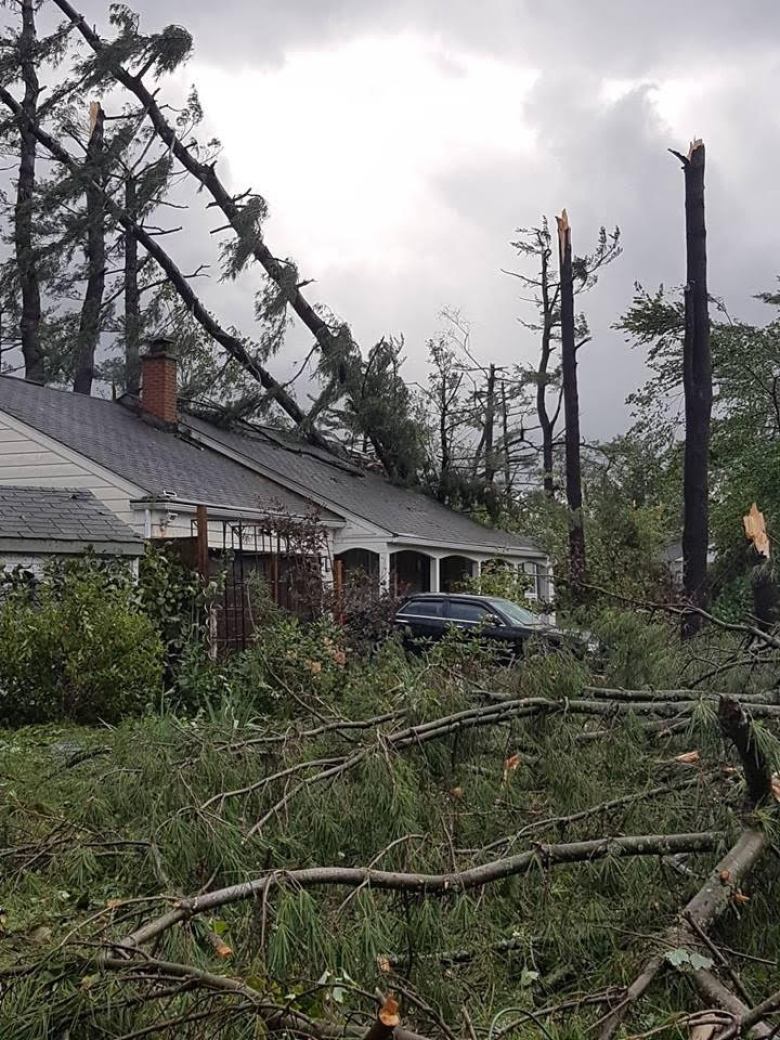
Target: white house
{"points": [[153, 466]]}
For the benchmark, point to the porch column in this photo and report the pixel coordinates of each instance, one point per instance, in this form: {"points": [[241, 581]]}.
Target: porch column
{"points": [[477, 569], [384, 570], [433, 579]]}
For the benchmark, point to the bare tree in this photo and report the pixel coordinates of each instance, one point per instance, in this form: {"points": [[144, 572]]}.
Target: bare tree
{"points": [[535, 244], [697, 385]]}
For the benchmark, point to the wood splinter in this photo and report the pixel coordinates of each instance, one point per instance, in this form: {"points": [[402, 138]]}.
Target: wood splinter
{"points": [[386, 1022]]}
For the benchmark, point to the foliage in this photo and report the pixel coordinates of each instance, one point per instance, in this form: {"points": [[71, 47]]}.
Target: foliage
{"points": [[745, 458], [174, 597], [75, 646], [156, 805]]}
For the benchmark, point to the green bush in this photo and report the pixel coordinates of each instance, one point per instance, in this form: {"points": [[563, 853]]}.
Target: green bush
{"points": [[76, 647]]}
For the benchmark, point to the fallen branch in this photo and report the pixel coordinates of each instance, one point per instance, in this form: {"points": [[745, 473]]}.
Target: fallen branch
{"points": [[735, 725], [724, 880], [767, 1007], [704, 908], [234, 346], [429, 884], [714, 992]]}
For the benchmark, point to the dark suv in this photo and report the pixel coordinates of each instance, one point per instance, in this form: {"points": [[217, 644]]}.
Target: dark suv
{"points": [[426, 616]]}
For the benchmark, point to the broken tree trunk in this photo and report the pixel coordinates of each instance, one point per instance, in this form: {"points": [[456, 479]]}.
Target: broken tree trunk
{"points": [[697, 384], [736, 726], [724, 880], [386, 1022], [95, 251], [571, 409], [29, 324]]}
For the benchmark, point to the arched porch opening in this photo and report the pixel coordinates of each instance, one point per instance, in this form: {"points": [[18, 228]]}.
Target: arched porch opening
{"points": [[455, 572], [356, 563], [410, 572]]}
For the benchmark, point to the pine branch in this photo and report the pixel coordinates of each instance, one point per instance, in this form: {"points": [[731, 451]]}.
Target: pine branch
{"points": [[429, 884], [232, 344]]}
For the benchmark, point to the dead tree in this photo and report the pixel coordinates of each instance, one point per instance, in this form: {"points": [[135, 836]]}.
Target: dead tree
{"points": [[30, 321], [571, 407], [697, 385], [95, 251]]}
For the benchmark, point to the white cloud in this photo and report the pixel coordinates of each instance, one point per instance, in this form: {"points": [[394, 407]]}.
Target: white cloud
{"points": [[347, 143]]}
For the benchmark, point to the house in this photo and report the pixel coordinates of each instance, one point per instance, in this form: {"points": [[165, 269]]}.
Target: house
{"points": [[162, 473], [671, 558], [37, 524]]}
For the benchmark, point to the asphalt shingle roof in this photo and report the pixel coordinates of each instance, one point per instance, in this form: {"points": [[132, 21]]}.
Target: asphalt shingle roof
{"points": [[402, 511], [164, 463], [64, 516], [154, 459]]}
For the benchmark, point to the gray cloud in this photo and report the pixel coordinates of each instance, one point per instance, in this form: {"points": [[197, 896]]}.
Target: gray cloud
{"points": [[716, 67]]}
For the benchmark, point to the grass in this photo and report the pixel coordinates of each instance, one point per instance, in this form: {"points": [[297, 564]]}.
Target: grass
{"points": [[101, 828]]}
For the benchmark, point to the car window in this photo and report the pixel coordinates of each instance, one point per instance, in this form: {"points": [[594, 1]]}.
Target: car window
{"points": [[422, 608], [468, 611], [517, 615]]}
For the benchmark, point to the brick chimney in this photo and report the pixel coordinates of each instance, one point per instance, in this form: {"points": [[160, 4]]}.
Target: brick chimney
{"points": [[158, 380]]}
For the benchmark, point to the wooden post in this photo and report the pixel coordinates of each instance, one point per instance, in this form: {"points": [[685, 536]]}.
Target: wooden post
{"points": [[338, 589], [202, 548]]}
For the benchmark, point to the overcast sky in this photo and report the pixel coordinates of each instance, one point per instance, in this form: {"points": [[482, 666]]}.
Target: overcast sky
{"points": [[399, 144]]}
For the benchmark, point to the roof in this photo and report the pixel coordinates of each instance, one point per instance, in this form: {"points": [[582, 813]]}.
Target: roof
{"points": [[404, 512], [62, 520], [163, 464]]}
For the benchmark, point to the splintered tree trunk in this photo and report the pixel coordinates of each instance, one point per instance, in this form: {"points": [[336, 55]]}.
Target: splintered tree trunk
{"points": [[89, 325], [132, 296], [29, 325], [490, 422], [571, 409], [697, 383]]}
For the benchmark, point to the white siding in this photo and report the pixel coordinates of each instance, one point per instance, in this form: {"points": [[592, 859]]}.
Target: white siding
{"points": [[30, 459]]}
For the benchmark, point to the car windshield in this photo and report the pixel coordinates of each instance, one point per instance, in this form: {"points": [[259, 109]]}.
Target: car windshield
{"points": [[517, 615]]}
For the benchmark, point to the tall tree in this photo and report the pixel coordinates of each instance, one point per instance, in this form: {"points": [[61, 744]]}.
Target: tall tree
{"points": [[697, 384], [132, 329], [30, 319], [535, 245], [95, 252], [571, 407]]}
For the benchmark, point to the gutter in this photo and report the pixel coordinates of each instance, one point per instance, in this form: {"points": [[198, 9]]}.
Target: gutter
{"points": [[219, 511], [52, 546]]}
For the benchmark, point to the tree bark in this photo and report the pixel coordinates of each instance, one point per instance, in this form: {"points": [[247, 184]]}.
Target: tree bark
{"points": [[29, 325], [737, 727], [490, 423], [431, 884], [95, 252], [571, 408], [697, 384], [545, 422], [132, 295]]}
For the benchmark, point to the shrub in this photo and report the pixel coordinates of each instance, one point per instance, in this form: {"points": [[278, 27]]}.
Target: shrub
{"points": [[76, 647]]}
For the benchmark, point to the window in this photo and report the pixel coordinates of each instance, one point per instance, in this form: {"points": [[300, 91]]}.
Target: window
{"points": [[537, 573], [472, 612], [422, 608], [517, 615]]}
